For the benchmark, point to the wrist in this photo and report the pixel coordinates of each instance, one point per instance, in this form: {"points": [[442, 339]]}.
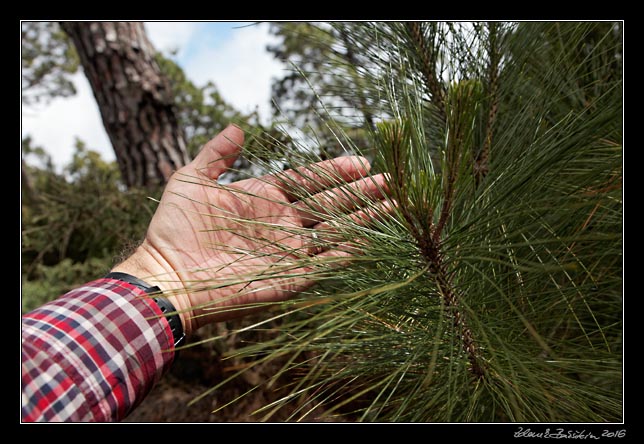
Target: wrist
{"points": [[149, 267], [168, 310]]}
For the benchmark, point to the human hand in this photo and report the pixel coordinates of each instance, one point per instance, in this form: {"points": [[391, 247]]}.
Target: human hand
{"points": [[212, 247]]}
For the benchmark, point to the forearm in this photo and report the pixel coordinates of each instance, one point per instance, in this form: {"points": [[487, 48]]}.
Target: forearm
{"points": [[93, 354]]}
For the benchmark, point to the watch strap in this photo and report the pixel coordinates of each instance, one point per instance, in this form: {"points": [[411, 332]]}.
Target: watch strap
{"points": [[163, 303]]}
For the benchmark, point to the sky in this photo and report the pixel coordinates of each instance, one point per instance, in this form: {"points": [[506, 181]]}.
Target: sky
{"points": [[230, 54]]}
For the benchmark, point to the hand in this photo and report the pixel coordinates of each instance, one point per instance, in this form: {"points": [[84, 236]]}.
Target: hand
{"points": [[206, 239]]}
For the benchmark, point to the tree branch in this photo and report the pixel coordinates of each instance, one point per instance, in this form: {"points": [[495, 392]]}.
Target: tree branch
{"points": [[481, 164], [427, 57]]}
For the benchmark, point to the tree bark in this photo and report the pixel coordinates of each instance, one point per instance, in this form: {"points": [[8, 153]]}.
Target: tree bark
{"points": [[134, 98]]}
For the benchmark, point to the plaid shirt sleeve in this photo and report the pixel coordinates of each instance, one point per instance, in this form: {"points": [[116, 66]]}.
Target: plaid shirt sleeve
{"points": [[93, 354]]}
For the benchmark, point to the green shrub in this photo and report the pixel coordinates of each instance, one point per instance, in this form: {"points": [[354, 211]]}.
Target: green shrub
{"points": [[75, 224], [49, 282]]}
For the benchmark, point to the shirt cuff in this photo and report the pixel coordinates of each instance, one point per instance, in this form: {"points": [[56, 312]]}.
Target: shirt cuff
{"points": [[93, 354]]}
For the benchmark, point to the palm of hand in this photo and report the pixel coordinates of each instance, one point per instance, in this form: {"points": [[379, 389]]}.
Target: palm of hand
{"points": [[217, 236], [214, 246]]}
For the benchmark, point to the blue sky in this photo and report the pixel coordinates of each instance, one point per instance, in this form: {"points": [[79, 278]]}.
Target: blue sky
{"points": [[230, 54], [211, 34]]}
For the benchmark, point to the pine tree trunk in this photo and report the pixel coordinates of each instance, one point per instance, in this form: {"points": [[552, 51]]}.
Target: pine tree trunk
{"points": [[134, 98]]}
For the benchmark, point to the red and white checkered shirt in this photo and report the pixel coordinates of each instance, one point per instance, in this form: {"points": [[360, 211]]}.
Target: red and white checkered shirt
{"points": [[93, 354]]}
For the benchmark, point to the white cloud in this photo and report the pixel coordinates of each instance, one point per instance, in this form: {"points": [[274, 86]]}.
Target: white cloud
{"points": [[167, 36], [55, 126], [240, 66]]}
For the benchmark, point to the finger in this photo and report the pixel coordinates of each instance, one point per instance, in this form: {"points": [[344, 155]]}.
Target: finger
{"points": [[219, 154], [331, 233], [329, 230], [341, 200], [328, 260], [303, 181]]}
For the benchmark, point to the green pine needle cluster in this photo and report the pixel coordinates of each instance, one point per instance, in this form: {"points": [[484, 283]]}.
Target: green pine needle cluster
{"points": [[492, 291]]}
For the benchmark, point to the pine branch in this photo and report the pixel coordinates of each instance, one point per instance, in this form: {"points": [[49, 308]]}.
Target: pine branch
{"points": [[481, 164], [397, 134], [427, 56]]}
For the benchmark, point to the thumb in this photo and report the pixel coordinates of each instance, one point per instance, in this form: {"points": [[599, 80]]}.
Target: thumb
{"points": [[219, 154]]}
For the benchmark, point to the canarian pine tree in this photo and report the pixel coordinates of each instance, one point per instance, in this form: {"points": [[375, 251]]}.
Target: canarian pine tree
{"points": [[490, 290]]}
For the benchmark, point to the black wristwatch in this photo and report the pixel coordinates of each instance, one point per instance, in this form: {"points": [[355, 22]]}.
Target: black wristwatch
{"points": [[164, 304]]}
